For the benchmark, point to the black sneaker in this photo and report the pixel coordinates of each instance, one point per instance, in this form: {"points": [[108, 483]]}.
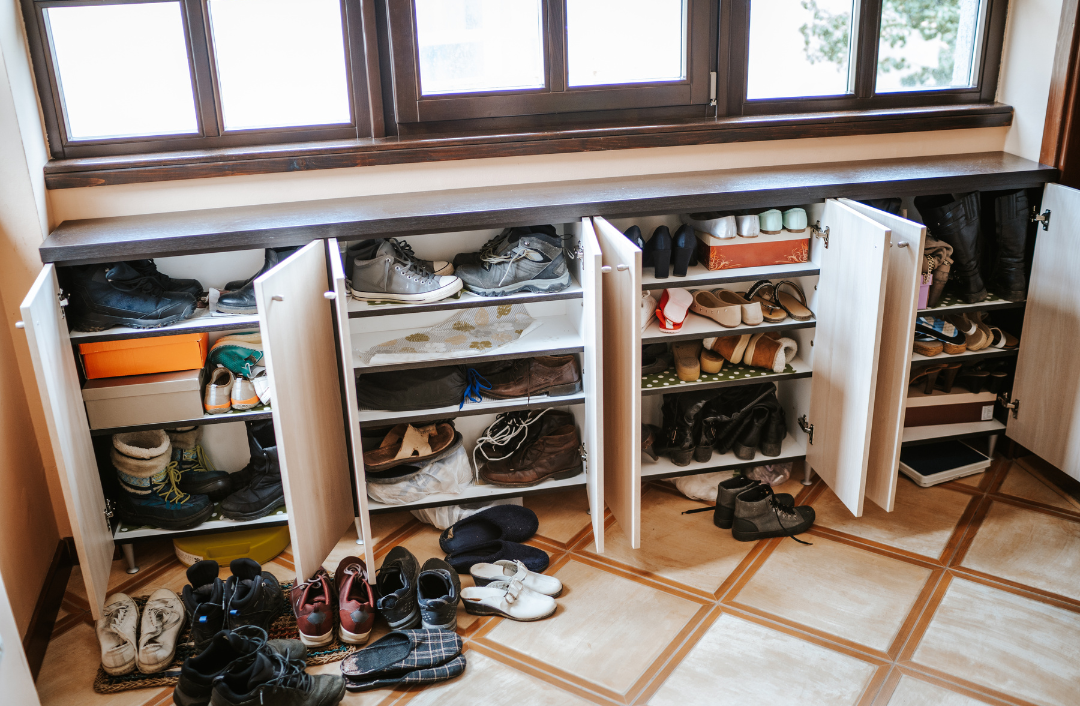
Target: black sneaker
{"points": [[274, 680], [252, 596], [102, 296], [204, 600], [258, 486], [167, 283], [438, 590], [396, 589], [228, 650]]}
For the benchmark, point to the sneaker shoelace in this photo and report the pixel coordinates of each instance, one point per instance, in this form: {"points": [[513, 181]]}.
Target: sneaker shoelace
{"points": [[168, 489], [780, 512], [502, 432], [406, 250], [411, 268]]}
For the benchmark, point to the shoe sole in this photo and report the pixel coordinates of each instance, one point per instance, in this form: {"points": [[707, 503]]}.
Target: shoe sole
{"points": [[102, 322], [181, 699], [120, 671], [558, 475], [255, 514], [317, 640], [755, 536], [487, 610], [353, 638], [553, 391], [448, 627], [237, 309], [152, 521], [408, 623], [538, 286], [424, 298]]}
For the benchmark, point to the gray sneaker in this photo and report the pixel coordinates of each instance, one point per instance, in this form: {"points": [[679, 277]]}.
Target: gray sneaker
{"points": [[759, 515], [391, 274], [529, 262], [366, 249], [438, 591]]}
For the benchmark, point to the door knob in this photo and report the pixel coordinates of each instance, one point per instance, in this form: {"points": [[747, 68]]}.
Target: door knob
{"points": [[622, 267], [330, 295], [20, 324], [278, 298], [606, 269]]}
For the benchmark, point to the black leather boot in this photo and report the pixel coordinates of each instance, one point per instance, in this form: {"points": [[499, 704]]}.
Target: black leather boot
{"points": [[772, 439], [734, 407], [242, 300], [167, 283], [688, 426], [259, 485], [889, 205], [747, 444], [1011, 223], [957, 223], [103, 296]]}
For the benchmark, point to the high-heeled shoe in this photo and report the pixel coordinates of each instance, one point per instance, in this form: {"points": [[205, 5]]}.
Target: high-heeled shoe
{"points": [[683, 250], [633, 234], [928, 376], [974, 378], [948, 376], [657, 252]]}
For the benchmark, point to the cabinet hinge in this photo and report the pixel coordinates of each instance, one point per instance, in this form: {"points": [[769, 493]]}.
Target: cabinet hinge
{"points": [[63, 302], [584, 459], [108, 510], [1014, 405], [819, 233], [1044, 218], [807, 427]]}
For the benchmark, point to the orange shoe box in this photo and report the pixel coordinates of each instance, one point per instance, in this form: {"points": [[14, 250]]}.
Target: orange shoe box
{"points": [[731, 253], [143, 356]]}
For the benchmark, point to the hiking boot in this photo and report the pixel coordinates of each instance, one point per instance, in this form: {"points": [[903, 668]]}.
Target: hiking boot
{"points": [[523, 449], [259, 491], [252, 596], [551, 375], [391, 274], [272, 678], [533, 262], [314, 603], [366, 249], [102, 296], [162, 620], [1012, 219], [149, 483], [728, 490], [197, 474], [242, 299], [489, 248], [226, 651], [167, 283], [957, 223], [759, 515], [356, 601], [204, 601], [396, 587], [438, 591]]}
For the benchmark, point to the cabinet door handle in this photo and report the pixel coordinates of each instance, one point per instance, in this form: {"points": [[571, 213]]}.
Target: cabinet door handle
{"points": [[20, 324], [277, 298], [622, 267], [606, 269], [330, 295]]}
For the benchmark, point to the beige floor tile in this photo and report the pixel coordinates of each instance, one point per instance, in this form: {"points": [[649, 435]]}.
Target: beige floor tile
{"points": [[687, 549], [973, 480], [1022, 483], [385, 524], [922, 521], [1028, 547], [346, 546], [845, 591], [915, 692], [1010, 643], [607, 630], [562, 515], [361, 698], [739, 662], [491, 683]]}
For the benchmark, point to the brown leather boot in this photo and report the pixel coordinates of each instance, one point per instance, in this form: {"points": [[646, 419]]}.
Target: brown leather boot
{"points": [[553, 375], [554, 452]]}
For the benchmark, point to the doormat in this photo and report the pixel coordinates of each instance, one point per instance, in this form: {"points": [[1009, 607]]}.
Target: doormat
{"points": [[284, 628]]}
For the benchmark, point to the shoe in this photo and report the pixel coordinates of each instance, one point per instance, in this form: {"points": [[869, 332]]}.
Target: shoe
{"points": [[366, 249], [728, 490], [750, 311], [485, 574], [953, 341], [657, 252], [707, 304], [508, 599], [794, 220], [258, 486], [162, 620], [947, 377], [405, 658], [391, 274], [759, 514], [495, 551], [772, 439], [957, 223], [683, 250], [356, 601], [710, 361], [551, 450], [655, 358], [671, 311], [1011, 224], [511, 523], [748, 226], [149, 483], [396, 588], [204, 602], [764, 293], [241, 353], [746, 447], [101, 297], [731, 348], [252, 596], [243, 397], [197, 474], [770, 351], [633, 234], [242, 299], [975, 337], [731, 409], [535, 262], [551, 375], [226, 651], [687, 430], [650, 435], [927, 346], [715, 224], [489, 248], [438, 590], [314, 603], [771, 222], [648, 308], [407, 444], [165, 283], [218, 396], [272, 678], [687, 360], [261, 385], [790, 297], [116, 634], [928, 376]]}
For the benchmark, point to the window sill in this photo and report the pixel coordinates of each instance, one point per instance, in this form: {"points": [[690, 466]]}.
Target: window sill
{"points": [[198, 164]]}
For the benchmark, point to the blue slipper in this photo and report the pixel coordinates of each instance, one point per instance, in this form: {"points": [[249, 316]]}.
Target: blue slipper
{"points": [[510, 523], [534, 559]]}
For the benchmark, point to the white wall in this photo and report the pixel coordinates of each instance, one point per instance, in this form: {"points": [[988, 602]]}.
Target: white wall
{"points": [[1026, 64]]}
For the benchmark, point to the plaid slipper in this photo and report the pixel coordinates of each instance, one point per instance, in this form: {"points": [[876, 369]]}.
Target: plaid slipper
{"points": [[405, 657]]}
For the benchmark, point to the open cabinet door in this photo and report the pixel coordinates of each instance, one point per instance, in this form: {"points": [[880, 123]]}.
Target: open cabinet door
{"points": [[621, 292], [1047, 386], [894, 357], [297, 321], [61, 396], [593, 376], [344, 340], [850, 299]]}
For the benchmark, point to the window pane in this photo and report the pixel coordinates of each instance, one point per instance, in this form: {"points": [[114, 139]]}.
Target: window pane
{"points": [[927, 45], [625, 41], [280, 63], [800, 48], [123, 70], [479, 45]]}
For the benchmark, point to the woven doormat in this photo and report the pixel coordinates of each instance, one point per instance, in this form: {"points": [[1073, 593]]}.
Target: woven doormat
{"points": [[284, 628]]}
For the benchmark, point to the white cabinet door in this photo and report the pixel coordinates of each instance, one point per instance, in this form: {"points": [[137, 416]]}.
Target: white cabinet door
{"points": [[61, 396], [621, 291], [298, 321], [850, 301], [894, 359], [344, 341], [1047, 385], [592, 376]]}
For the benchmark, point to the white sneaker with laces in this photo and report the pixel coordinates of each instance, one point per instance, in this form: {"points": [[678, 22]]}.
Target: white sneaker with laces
{"points": [[116, 633], [162, 619], [506, 570], [509, 599]]}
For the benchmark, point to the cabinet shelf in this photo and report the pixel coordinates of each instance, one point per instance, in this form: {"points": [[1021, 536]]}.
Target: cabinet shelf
{"points": [[965, 357], [126, 533], [950, 304], [697, 327], [913, 436], [730, 376], [200, 322], [362, 309], [249, 416], [791, 449], [698, 276], [475, 493], [373, 418]]}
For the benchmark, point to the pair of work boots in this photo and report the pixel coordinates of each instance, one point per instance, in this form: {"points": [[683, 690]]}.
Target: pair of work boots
{"points": [[131, 293], [751, 510]]}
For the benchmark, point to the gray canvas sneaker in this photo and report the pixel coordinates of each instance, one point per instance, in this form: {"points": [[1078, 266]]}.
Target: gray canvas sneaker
{"points": [[390, 274], [366, 249], [529, 262]]}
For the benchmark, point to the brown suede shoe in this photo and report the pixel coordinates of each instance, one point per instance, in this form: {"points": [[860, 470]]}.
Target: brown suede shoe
{"points": [[551, 449], [553, 375]]}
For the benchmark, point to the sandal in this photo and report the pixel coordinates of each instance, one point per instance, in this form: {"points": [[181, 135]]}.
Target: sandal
{"points": [[795, 305], [929, 347], [998, 337], [952, 340], [711, 306], [948, 376], [687, 364], [928, 375], [764, 293], [672, 309], [976, 337], [408, 444], [751, 311]]}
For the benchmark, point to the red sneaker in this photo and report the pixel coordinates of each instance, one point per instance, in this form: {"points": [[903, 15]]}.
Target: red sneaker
{"points": [[356, 602], [312, 603]]}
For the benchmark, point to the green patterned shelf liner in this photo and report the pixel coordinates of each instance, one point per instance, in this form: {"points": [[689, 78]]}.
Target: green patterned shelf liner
{"points": [[215, 515], [668, 378]]}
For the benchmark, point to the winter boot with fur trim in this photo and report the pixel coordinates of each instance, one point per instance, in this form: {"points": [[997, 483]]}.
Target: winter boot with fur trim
{"points": [[149, 483], [197, 474]]}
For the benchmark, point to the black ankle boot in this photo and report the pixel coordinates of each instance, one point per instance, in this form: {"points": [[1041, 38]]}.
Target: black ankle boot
{"points": [[750, 438], [167, 283], [102, 296], [772, 439], [242, 300], [259, 484], [688, 426], [957, 223], [1011, 223]]}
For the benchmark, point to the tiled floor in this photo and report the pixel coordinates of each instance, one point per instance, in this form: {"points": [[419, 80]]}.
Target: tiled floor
{"points": [[967, 594]]}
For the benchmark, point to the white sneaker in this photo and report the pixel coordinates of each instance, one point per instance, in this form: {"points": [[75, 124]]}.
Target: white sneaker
{"points": [[116, 633], [505, 570], [510, 599], [162, 618], [261, 382]]}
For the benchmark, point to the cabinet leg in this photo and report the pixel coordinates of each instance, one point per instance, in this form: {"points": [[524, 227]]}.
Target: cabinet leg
{"points": [[129, 558], [808, 474], [359, 534], [991, 442]]}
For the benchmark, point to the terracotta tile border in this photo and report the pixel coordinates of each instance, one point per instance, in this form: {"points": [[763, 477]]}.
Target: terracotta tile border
{"points": [[384, 545], [1035, 507], [676, 658], [905, 671]]}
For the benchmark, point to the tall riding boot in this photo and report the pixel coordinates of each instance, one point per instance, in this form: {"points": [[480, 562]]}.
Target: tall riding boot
{"points": [[688, 425], [1011, 223], [259, 491], [957, 223]]}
